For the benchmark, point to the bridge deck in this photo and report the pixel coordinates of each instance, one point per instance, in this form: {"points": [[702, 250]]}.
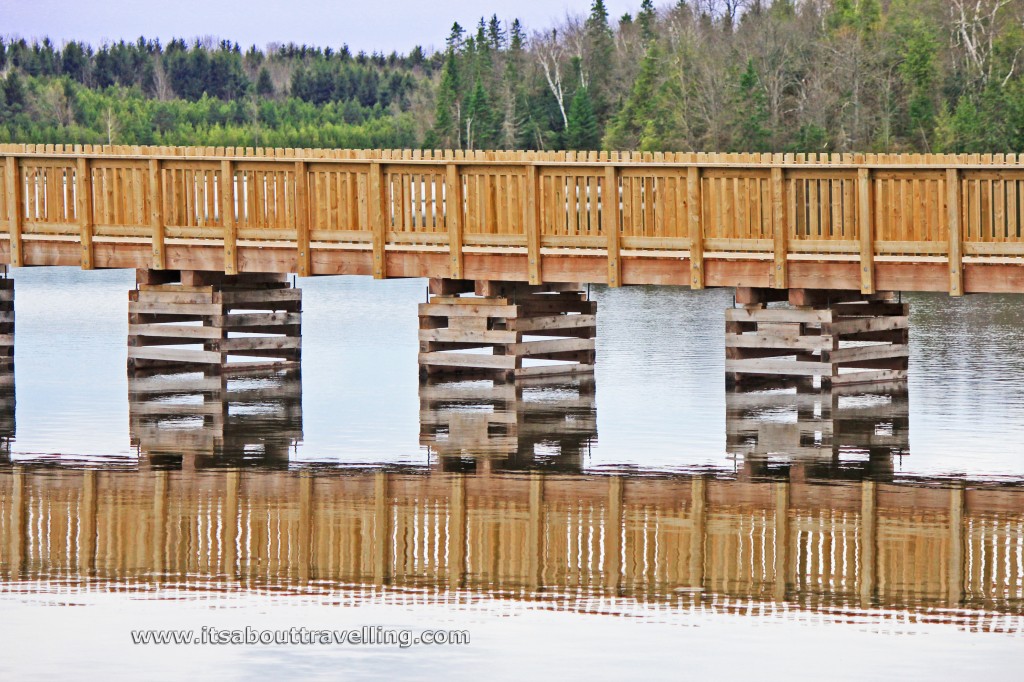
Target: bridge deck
{"points": [[888, 222]]}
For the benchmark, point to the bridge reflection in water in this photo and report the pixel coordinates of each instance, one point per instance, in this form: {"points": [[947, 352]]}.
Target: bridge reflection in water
{"points": [[827, 533]]}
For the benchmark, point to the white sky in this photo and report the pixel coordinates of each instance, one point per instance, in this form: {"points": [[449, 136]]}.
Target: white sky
{"points": [[382, 25]]}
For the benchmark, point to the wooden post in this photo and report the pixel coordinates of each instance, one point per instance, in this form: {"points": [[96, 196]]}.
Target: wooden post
{"points": [[535, 533], [612, 224], [868, 539], [381, 528], [14, 209], [17, 525], [378, 219], [533, 209], [698, 518], [865, 225], [696, 227], [956, 269], [160, 486], [305, 530], [780, 227], [956, 547], [156, 214], [613, 535], [457, 533], [229, 521], [304, 263], [453, 218], [87, 524], [227, 212], [83, 208], [782, 574]]}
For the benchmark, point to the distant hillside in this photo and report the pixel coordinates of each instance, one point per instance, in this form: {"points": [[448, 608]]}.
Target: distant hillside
{"points": [[722, 75]]}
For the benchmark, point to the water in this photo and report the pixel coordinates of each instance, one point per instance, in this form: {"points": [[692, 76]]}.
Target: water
{"points": [[648, 512]]}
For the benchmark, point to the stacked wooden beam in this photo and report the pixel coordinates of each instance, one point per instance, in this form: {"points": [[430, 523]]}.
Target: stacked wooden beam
{"points": [[207, 318], [503, 329], [841, 337], [6, 324]]}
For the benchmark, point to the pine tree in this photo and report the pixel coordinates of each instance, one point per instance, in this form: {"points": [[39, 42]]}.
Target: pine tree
{"points": [[264, 86], [448, 118], [751, 113], [582, 133], [598, 58], [646, 19], [626, 128], [515, 101], [481, 129]]}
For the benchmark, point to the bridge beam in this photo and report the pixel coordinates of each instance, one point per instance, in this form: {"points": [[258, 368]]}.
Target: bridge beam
{"points": [[210, 320], [818, 333], [530, 330]]}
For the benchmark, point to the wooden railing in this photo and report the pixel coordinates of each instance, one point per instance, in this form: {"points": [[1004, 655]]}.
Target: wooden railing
{"points": [[777, 208], [848, 545]]}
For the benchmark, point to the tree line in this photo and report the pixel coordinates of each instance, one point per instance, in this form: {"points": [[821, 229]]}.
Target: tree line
{"points": [[709, 75]]}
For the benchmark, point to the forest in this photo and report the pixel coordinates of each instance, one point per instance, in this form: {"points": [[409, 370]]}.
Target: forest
{"points": [[697, 75]]}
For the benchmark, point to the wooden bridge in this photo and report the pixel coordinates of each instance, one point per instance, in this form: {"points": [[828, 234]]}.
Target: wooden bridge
{"points": [[853, 222], [523, 230], [861, 552]]}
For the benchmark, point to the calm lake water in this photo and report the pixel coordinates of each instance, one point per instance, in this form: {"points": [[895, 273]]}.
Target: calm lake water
{"points": [[645, 523]]}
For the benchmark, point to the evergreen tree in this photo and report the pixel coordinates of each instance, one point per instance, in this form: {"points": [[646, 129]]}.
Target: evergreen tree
{"points": [[625, 130], [448, 117], [481, 128], [646, 19], [599, 58], [751, 114], [582, 133], [264, 86]]}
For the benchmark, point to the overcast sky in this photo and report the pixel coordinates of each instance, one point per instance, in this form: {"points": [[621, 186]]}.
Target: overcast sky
{"points": [[368, 25]]}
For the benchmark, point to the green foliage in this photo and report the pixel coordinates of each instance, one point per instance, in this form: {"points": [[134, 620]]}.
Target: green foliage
{"points": [[582, 133], [627, 127], [778, 75], [751, 115]]}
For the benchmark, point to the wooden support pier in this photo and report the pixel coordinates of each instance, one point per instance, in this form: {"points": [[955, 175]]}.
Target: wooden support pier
{"points": [[842, 337], [518, 323], [6, 324], [200, 319]]}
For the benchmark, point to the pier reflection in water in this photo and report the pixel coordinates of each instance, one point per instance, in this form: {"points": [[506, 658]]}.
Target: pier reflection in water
{"points": [[197, 420], [7, 412], [839, 432], [810, 540], [484, 425]]}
